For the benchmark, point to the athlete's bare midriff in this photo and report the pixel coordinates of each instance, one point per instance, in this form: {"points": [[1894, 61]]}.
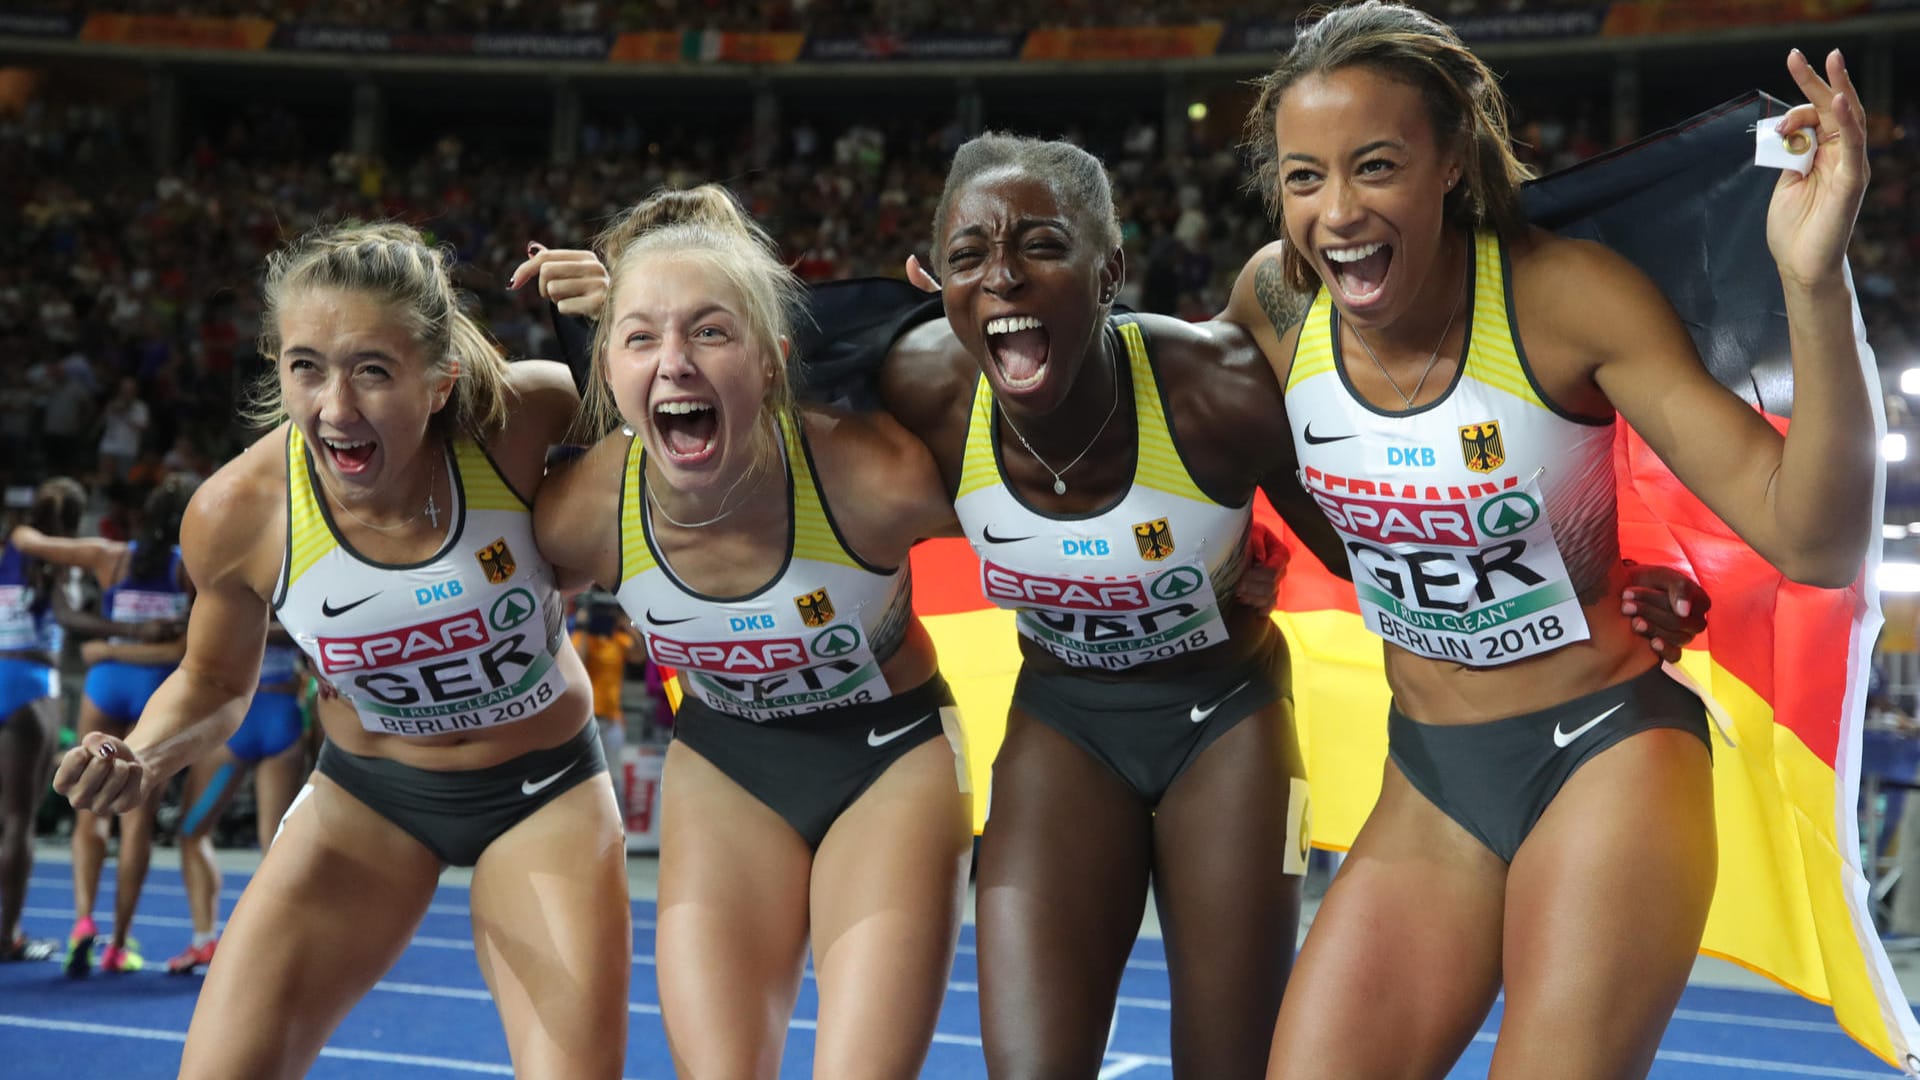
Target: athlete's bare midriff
{"points": [[1436, 692]]}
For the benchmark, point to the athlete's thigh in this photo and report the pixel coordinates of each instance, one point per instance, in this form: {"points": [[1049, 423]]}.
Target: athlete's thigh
{"points": [[554, 935], [1062, 884], [1229, 856], [26, 755], [1606, 903], [275, 781], [328, 912], [1403, 959], [731, 935], [198, 812], [889, 882]]}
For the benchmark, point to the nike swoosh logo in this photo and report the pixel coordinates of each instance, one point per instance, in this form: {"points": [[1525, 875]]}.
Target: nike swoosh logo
{"points": [[874, 738], [987, 535], [1316, 440], [534, 787], [1565, 738], [330, 611], [1199, 714], [655, 620]]}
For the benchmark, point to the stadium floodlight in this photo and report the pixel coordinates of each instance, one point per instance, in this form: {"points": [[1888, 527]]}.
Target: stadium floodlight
{"points": [[1894, 447], [1910, 381]]}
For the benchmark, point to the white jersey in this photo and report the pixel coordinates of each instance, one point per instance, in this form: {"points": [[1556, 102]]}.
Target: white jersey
{"points": [[461, 641], [1475, 523], [1136, 582], [813, 638]]}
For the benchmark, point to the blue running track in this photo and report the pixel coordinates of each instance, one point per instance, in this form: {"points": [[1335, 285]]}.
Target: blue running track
{"points": [[431, 1016]]}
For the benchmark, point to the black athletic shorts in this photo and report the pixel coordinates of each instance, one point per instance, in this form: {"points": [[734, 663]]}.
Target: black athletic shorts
{"points": [[456, 814], [1149, 731], [810, 768], [1497, 778]]}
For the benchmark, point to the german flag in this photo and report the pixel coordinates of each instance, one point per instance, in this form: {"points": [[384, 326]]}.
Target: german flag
{"points": [[1786, 673]]}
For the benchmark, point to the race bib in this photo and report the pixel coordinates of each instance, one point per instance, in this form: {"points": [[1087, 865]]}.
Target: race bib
{"points": [[19, 628], [1475, 580], [1111, 623], [479, 668], [768, 678]]}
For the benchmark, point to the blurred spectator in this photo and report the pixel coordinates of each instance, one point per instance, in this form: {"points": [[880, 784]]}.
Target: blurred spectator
{"points": [[123, 423]]}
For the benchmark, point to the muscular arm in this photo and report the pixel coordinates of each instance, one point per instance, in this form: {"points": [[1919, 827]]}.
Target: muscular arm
{"points": [[203, 702], [1263, 303], [1805, 501], [97, 556], [576, 515], [927, 385], [881, 483]]}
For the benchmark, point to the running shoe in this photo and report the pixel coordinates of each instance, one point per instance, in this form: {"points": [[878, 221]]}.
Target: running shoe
{"points": [[122, 959], [80, 948], [194, 958], [23, 947]]}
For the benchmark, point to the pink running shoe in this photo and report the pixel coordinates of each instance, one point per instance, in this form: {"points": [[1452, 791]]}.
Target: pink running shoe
{"points": [[122, 959]]}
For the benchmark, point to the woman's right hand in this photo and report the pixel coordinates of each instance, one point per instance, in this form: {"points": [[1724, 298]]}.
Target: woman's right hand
{"points": [[102, 775], [573, 279]]}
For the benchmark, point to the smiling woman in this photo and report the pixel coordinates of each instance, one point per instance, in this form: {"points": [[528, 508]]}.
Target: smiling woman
{"points": [[386, 521], [812, 789]]}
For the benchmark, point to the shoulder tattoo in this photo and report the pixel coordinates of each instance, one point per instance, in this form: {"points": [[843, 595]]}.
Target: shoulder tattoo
{"points": [[1284, 307]]}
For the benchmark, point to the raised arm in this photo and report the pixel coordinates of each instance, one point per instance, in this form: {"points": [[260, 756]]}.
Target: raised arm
{"points": [[97, 556]]}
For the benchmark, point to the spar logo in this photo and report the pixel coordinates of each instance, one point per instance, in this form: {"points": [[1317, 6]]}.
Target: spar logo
{"points": [[1009, 587], [762, 656], [1510, 513], [1446, 524], [408, 645]]}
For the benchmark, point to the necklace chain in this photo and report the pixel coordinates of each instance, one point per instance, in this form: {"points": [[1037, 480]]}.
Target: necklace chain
{"points": [[1432, 358], [1059, 484]]}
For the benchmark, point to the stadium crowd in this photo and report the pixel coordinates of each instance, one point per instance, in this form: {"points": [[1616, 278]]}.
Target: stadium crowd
{"points": [[824, 16], [128, 306]]}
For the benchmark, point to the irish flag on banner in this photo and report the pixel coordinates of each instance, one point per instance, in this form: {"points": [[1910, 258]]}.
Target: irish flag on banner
{"points": [[1784, 664]]}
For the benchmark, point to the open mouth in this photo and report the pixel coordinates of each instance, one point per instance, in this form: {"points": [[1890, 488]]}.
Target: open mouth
{"points": [[350, 457], [689, 429], [1359, 271], [1020, 347]]}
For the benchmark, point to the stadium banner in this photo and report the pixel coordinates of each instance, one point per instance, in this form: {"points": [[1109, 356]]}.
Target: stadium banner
{"points": [[33, 25], [1124, 43], [511, 46], [1630, 17], [647, 48], [178, 32], [879, 47], [1272, 37], [312, 37], [727, 47]]}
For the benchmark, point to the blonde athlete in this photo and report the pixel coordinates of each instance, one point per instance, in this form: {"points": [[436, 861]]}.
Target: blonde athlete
{"points": [[387, 524], [812, 790]]}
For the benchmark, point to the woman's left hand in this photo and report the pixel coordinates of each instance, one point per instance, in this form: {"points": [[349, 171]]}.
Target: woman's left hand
{"points": [[1811, 217]]}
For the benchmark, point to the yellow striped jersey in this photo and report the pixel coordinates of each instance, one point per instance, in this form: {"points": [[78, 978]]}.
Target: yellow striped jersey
{"points": [[1473, 523], [460, 641], [813, 638], [1135, 582]]}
